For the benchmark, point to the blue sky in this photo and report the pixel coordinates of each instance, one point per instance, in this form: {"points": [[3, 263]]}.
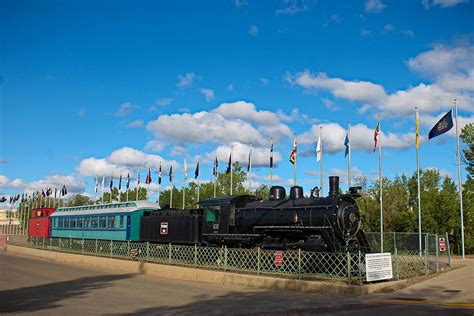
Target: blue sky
{"points": [[93, 88]]}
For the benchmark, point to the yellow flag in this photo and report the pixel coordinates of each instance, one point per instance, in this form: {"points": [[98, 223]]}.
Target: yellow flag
{"points": [[417, 122]]}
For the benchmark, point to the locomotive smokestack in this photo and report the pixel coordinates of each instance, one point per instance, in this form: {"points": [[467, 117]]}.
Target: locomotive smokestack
{"points": [[333, 186]]}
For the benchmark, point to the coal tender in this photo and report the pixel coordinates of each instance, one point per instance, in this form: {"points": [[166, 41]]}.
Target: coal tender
{"points": [[311, 223]]}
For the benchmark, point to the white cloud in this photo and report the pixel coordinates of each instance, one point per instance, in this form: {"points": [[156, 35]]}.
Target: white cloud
{"points": [[264, 81], [82, 111], [442, 3], [230, 87], [330, 105], [253, 30], [135, 124], [362, 91], [164, 101], [125, 109], [451, 68], [260, 155], [241, 3], [333, 136], [73, 184], [208, 93], [155, 145], [442, 172], [123, 160], [389, 28], [293, 8], [220, 125], [365, 33], [186, 80], [374, 6]]}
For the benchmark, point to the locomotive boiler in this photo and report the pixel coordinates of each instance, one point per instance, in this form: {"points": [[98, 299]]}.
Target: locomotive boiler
{"points": [[310, 223]]}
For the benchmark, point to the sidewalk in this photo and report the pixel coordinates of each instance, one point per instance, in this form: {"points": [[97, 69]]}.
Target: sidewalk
{"points": [[454, 288]]}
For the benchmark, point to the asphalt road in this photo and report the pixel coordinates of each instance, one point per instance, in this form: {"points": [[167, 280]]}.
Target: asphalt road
{"points": [[48, 288]]}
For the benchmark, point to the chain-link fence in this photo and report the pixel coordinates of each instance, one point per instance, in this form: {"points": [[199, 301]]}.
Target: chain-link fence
{"points": [[297, 264]]}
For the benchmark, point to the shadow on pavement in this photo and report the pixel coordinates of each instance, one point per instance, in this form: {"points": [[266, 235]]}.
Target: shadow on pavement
{"points": [[46, 296]]}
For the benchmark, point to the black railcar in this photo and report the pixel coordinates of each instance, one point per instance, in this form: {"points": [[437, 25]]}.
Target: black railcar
{"points": [[311, 223]]}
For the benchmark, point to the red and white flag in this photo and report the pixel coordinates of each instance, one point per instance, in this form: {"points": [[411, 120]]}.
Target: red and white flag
{"points": [[376, 135]]}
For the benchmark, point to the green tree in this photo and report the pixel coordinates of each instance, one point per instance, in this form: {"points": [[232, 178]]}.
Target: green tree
{"points": [[467, 136]]}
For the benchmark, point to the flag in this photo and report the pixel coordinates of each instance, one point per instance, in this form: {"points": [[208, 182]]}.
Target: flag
{"points": [[49, 192], [103, 183], [249, 165], [185, 170], [443, 125], [43, 194], [293, 152], [138, 177], [171, 173], [64, 190], [111, 182], [216, 165], [346, 143], [376, 134], [148, 176], [196, 172], [96, 186], [229, 165], [271, 155], [128, 180], [55, 192], [120, 183], [159, 174], [3, 199], [417, 130], [319, 149]]}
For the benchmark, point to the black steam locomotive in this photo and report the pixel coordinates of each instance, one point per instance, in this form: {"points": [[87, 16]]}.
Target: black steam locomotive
{"points": [[311, 223]]}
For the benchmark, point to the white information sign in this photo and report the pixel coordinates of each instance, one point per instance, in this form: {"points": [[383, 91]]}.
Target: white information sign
{"points": [[378, 266]]}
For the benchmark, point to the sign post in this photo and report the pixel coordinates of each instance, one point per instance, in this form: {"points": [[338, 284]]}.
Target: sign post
{"points": [[442, 243]]}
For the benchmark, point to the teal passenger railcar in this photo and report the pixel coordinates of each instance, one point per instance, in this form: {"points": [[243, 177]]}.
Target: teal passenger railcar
{"points": [[114, 221]]}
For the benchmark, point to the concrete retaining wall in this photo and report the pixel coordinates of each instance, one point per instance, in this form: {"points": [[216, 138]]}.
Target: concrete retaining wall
{"points": [[199, 275]]}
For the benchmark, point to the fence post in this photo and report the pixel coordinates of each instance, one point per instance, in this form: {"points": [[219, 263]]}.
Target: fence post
{"points": [[437, 254], [129, 250], [427, 262], [169, 254], [147, 251], [43, 243], [70, 244], [50, 242], [397, 272], [111, 247], [195, 255], [96, 247], [82, 250], [225, 258], [359, 268], [394, 241], [448, 250], [258, 260], [59, 244], [299, 263], [349, 267]]}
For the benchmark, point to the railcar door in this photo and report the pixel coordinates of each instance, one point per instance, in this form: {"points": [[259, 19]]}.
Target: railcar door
{"points": [[129, 227]]}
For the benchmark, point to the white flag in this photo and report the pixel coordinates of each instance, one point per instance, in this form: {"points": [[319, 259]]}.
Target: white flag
{"points": [[319, 151], [185, 169]]}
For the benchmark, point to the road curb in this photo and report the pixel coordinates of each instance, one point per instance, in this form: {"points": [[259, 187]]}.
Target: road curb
{"points": [[210, 276]]}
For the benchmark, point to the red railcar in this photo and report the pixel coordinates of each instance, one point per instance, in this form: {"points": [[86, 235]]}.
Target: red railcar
{"points": [[40, 222]]}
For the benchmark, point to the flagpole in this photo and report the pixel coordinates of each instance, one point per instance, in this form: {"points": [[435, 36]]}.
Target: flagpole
{"points": [[417, 122], [216, 172], [95, 189], [459, 180], [294, 165], [321, 161], [349, 157], [184, 182], [250, 169], [231, 172], [103, 179], [380, 182], [171, 180], [198, 184], [138, 183], [271, 162]]}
